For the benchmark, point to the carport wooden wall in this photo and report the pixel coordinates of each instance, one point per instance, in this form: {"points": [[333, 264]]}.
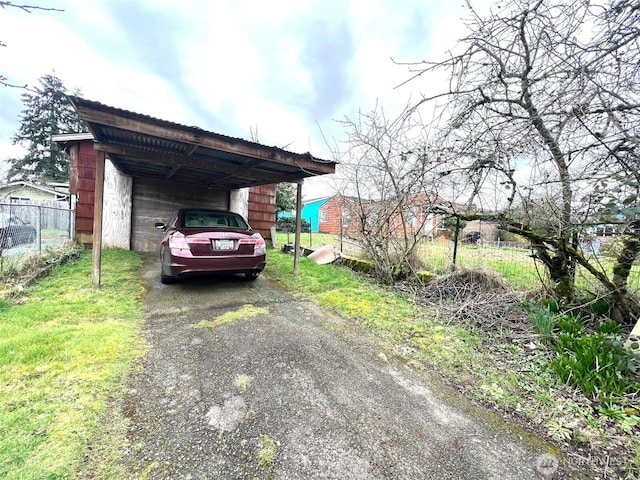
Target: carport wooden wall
{"points": [[157, 200], [262, 209], [116, 210], [82, 181], [117, 198]]}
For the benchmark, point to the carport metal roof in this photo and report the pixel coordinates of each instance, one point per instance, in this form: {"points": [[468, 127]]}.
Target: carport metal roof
{"points": [[143, 146]]}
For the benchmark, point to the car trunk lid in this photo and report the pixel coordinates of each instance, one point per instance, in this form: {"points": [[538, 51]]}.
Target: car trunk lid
{"points": [[227, 243]]}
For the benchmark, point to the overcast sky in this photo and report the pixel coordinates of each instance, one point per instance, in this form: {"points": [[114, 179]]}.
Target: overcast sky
{"points": [[286, 69]]}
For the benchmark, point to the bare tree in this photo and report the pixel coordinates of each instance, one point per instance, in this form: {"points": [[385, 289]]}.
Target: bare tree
{"points": [[543, 108], [383, 170], [4, 81]]}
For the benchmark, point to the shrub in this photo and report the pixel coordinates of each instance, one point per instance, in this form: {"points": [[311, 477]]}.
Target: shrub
{"points": [[609, 327], [571, 325], [599, 364], [551, 305], [601, 307], [289, 223]]}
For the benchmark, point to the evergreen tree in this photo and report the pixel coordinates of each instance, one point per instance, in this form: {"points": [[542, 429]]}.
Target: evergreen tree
{"points": [[46, 112], [285, 197]]}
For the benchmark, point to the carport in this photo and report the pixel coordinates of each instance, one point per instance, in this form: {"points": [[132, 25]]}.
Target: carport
{"points": [[141, 146]]}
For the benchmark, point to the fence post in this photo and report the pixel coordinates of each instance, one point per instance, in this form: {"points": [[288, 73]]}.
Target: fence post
{"points": [[455, 244], [72, 216], [39, 229]]}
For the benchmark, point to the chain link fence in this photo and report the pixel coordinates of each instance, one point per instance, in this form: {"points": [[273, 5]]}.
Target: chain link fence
{"points": [[30, 228], [512, 261]]}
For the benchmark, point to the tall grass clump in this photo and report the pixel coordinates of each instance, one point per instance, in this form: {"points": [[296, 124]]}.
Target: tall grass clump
{"points": [[544, 323]]}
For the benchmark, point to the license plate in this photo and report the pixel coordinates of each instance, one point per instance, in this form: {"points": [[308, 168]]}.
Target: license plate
{"points": [[224, 244]]}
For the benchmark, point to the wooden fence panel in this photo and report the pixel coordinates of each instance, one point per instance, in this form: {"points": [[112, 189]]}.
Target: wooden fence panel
{"points": [[49, 214]]}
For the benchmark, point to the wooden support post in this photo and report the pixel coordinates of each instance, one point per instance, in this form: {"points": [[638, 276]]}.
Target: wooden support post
{"points": [[296, 249], [97, 219]]}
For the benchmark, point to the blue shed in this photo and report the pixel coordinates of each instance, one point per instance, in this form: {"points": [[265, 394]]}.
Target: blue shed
{"points": [[311, 211]]}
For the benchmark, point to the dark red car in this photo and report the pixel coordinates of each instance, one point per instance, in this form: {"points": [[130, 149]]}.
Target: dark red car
{"points": [[200, 240]]}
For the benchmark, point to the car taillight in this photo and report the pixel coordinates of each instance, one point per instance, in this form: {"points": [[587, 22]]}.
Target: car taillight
{"points": [[178, 240], [259, 245], [199, 240]]}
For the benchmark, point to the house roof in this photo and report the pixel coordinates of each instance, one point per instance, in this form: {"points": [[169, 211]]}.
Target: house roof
{"points": [[143, 146], [314, 200], [22, 184]]}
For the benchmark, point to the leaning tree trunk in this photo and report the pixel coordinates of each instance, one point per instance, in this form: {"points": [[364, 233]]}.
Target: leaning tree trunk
{"points": [[559, 255], [626, 309], [555, 252], [559, 264]]}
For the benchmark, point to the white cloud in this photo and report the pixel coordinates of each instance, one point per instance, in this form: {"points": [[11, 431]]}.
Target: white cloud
{"points": [[242, 63]]}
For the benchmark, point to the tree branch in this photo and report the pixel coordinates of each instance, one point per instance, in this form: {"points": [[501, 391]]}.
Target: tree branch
{"points": [[29, 8]]}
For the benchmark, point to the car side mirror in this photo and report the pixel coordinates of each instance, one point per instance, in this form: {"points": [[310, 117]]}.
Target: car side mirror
{"points": [[160, 226]]}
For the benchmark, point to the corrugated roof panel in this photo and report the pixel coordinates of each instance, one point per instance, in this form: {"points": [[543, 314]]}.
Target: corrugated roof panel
{"points": [[145, 146]]}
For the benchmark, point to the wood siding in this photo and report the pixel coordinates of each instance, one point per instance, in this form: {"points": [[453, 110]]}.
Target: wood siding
{"points": [[157, 200], [82, 184], [262, 209]]}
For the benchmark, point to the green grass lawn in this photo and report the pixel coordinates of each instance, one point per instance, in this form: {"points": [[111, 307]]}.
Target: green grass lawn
{"points": [[65, 349], [514, 265]]}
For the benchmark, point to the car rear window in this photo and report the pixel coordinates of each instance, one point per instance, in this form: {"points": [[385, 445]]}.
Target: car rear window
{"points": [[197, 219]]}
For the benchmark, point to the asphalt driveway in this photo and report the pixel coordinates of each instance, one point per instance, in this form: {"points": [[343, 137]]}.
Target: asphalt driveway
{"points": [[243, 380]]}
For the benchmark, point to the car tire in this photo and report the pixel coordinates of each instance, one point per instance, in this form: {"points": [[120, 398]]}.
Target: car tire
{"points": [[252, 275], [166, 279]]}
